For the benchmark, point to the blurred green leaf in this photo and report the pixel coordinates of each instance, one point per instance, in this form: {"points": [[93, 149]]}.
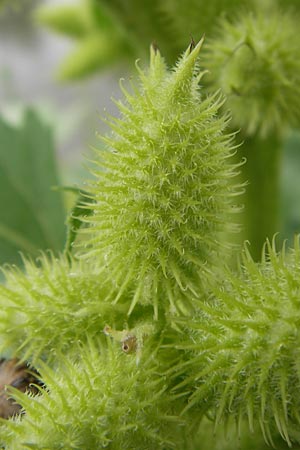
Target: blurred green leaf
{"points": [[31, 214], [71, 20], [90, 54], [99, 40]]}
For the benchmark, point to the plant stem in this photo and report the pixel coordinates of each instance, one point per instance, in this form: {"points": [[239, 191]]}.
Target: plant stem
{"points": [[261, 199]]}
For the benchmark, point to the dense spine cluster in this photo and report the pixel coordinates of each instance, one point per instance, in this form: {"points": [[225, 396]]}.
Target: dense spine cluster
{"points": [[142, 339], [161, 202], [163, 190], [244, 347], [52, 305], [97, 398]]}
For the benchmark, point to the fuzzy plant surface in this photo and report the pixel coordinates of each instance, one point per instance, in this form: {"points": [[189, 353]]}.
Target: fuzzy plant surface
{"points": [[163, 191], [161, 201], [145, 336], [255, 60], [97, 398], [236, 359], [51, 305], [244, 348]]}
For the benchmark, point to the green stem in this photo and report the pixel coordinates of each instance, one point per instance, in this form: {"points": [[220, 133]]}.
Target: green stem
{"points": [[261, 199]]}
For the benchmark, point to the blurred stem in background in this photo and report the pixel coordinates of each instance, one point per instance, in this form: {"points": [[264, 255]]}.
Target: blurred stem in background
{"points": [[290, 187], [262, 194]]}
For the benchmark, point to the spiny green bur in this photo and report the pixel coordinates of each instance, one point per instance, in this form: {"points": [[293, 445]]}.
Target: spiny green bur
{"points": [[244, 360], [52, 306], [99, 398], [255, 60], [162, 197], [163, 190]]}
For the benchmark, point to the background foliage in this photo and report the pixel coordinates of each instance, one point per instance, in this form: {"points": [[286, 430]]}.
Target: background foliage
{"points": [[33, 215]]}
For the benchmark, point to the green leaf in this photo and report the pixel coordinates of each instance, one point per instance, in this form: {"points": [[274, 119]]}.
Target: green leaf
{"points": [[76, 21], [31, 214], [96, 51], [70, 20]]}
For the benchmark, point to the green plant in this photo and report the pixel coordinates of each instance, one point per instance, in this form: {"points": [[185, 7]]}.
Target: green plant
{"points": [[254, 40], [99, 41], [146, 331], [263, 108], [163, 195], [29, 223]]}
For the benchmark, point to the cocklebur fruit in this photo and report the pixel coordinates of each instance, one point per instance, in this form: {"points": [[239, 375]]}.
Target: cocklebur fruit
{"points": [[243, 348], [255, 60], [163, 190], [51, 306], [96, 397]]}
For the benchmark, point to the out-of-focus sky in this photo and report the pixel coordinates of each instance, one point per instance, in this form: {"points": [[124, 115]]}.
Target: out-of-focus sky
{"points": [[29, 56]]}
